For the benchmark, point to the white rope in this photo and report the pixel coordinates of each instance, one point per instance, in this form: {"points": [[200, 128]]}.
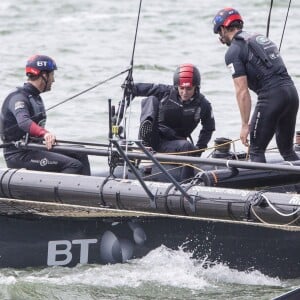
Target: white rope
{"points": [[277, 211], [127, 133], [227, 164]]}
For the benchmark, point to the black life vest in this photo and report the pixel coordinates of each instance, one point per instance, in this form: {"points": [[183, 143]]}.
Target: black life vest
{"points": [[9, 129], [261, 46], [181, 117], [263, 61]]}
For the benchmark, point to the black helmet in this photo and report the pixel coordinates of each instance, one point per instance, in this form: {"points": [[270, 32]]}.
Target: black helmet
{"points": [[186, 75], [225, 17], [38, 63]]}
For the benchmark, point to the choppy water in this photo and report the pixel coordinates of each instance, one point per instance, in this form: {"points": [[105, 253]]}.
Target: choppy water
{"points": [[162, 274], [91, 41]]}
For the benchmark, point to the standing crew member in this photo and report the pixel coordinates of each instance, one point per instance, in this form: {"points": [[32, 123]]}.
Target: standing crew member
{"points": [[171, 113], [256, 64], [23, 113]]}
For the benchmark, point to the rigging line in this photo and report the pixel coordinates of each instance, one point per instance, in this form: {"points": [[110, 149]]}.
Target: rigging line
{"points": [[88, 89], [127, 95], [202, 149], [128, 84], [179, 165], [135, 36], [286, 17], [269, 19], [70, 98]]}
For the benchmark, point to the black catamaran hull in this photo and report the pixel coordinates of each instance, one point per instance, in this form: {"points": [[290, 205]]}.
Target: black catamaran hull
{"points": [[46, 237], [198, 200], [108, 220]]}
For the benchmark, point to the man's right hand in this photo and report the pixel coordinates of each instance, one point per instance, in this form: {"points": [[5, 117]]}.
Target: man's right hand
{"points": [[244, 134], [49, 140]]}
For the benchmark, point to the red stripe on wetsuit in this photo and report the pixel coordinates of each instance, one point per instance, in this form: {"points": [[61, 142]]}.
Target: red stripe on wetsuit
{"points": [[36, 130]]}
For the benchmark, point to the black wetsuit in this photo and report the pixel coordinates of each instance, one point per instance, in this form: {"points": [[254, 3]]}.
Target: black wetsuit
{"points": [[258, 58], [174, 120], [177, 119], [22, 113]]}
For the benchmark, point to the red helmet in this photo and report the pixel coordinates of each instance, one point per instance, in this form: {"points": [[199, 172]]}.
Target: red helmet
{"points": [[225, 17], [186, 75], [38, 63]]}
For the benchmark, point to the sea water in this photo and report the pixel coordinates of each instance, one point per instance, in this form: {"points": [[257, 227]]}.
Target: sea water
{"points": [[162, 274], [91, 41]]}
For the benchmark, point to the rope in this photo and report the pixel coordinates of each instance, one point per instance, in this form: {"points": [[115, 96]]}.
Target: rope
{"points": [[277, 211], [87, 90], [286, 17], [268, 223], [181, 165], [70, 98], [203, 149], [269, 18]]}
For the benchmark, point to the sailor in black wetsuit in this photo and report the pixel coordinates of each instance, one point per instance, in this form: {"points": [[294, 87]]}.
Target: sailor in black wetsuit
{"points": [[23, 113], [171, 113], [255, 63]]}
